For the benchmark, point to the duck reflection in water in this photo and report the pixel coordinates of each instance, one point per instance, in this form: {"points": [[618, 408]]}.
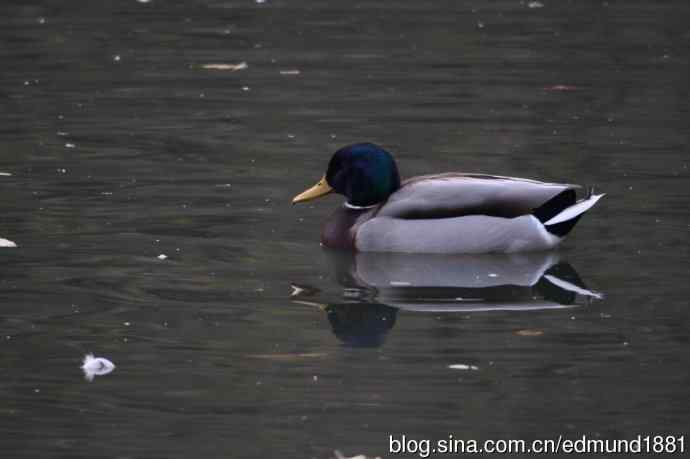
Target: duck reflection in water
{"points": [[377, 285]]}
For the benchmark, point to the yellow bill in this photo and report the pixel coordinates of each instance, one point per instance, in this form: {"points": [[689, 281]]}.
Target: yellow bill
{"points": [[320, 189]]}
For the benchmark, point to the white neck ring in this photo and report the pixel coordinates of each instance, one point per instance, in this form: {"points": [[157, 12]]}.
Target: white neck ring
{"points": [[352, 206]]}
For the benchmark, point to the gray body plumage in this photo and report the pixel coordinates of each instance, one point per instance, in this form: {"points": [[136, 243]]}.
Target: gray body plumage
{"points": [[452, 213], [461, 213], [456, 195], [467, 234]]}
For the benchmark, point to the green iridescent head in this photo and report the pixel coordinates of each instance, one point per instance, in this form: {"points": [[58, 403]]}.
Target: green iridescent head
{"points": [[364, 173]]}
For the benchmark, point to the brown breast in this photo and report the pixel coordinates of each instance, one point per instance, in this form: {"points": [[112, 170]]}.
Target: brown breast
{"points": [[339, 230]]}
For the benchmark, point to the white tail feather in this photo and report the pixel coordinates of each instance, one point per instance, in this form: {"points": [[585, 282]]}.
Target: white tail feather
{"points": [[575, 210]]}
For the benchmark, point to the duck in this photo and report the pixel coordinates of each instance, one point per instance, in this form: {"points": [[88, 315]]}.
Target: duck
{"points": [[447, 213]]}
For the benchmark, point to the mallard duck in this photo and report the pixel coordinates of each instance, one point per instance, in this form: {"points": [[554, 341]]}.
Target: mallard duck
{"points": [[444, 213]]}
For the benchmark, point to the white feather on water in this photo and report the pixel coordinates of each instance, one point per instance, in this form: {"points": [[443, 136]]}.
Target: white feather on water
{"points": [[7, 243], [96, 366], [462, 366]]}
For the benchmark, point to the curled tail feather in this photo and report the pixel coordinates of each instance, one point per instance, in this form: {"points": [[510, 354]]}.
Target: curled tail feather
{"points": [[560, 213]]}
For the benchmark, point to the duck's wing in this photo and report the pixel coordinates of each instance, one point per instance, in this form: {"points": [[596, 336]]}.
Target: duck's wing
{"points": [[455, 195]]}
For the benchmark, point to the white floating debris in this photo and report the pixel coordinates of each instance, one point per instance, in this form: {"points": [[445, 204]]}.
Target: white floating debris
{"points": [[493, 275], [535, 5], [231, 67], [245, 88], [260, 1], [162, 256], [7, 243], [462, 366], [41, 20], [117, 58], [290, 72], [6, 174], [399, 284], [339, 455], [70, 145], [96, 366], [143, 1]]}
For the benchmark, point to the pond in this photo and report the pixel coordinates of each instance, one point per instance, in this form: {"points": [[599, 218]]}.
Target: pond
{"points": [[149, 153]]}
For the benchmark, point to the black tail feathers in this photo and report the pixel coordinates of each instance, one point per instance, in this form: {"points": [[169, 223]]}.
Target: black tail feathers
{"points": [[555, 206]]}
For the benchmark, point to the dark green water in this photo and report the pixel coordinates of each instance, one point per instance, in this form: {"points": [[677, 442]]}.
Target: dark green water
{"points": [[121, 146]]}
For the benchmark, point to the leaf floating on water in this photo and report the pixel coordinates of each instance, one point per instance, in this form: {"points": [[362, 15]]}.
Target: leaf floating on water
{"points": [[231, 67], [313, 304], [529, 332], [288, 357], [560, 87], [96, 366], [462, 366]]}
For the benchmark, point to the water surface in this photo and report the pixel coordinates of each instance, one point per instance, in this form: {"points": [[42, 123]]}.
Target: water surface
{"points": [[121, 147]]}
